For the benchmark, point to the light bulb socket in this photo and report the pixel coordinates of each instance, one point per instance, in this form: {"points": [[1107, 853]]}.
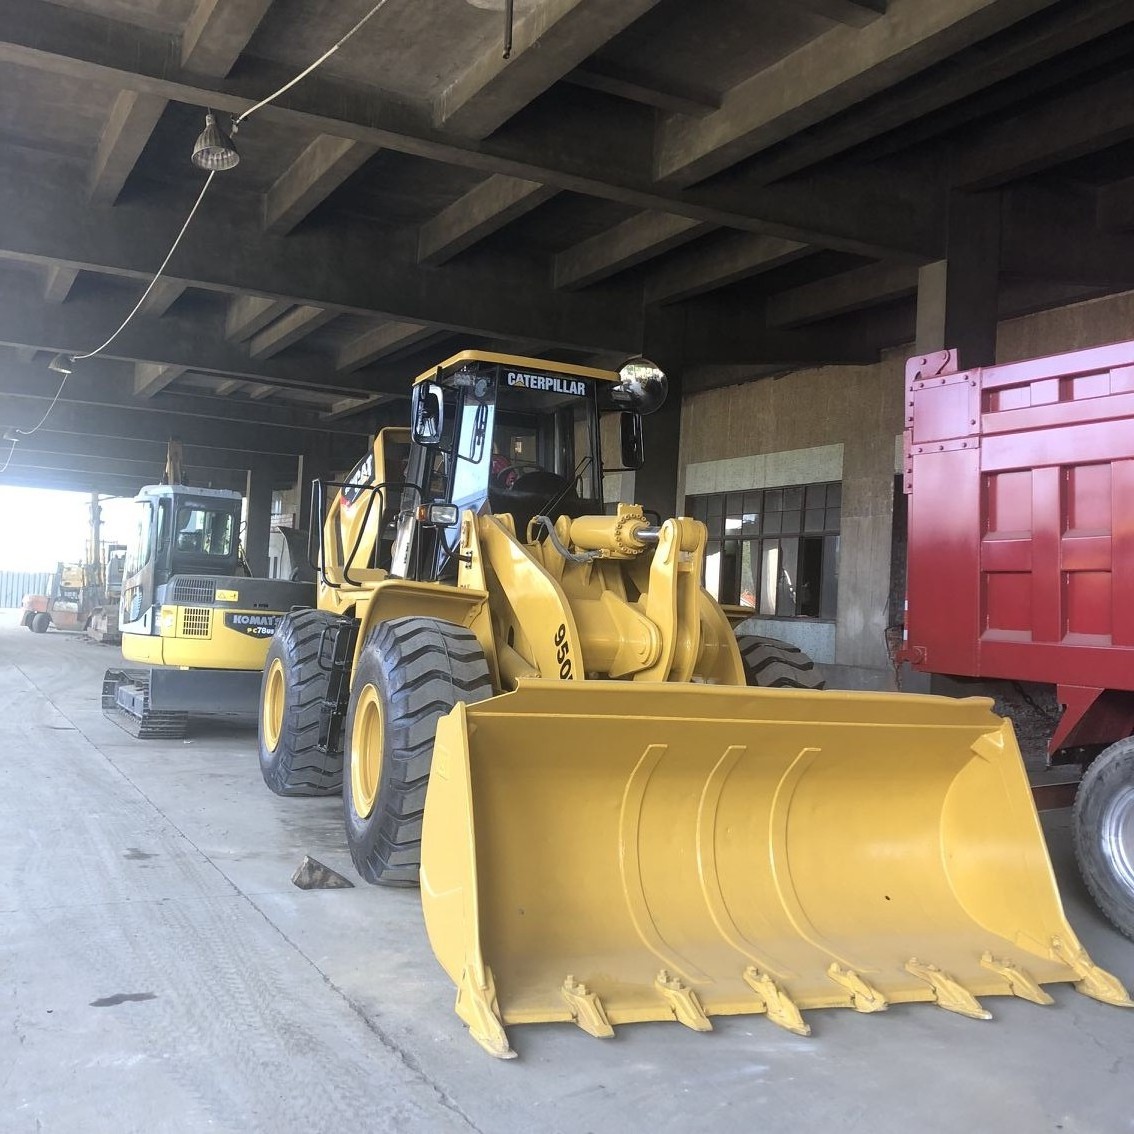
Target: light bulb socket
{"points": [[215, 150], [61, 364]]}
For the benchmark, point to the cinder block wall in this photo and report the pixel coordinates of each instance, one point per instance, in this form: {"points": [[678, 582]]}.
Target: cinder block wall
{"points": [[781, 431]]}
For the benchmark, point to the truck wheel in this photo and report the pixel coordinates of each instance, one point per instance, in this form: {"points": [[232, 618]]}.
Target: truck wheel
{"points": [[291, 699], [411, 672], [1103, 828], [41, 622], [26, 618], [773, 664]]}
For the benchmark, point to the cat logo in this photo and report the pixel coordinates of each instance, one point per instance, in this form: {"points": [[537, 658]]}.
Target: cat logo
{"points": [[546, 382], [360, 477]]}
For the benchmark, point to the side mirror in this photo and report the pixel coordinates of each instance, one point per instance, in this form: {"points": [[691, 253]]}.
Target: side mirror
{"points": [[633, 443], [427, 414]]}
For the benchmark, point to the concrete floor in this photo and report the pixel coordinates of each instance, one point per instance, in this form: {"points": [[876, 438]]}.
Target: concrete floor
{"points": [[159, 972]]}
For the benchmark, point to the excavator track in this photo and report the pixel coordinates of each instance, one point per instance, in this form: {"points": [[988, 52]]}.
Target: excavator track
{"points": [[126, 702]]}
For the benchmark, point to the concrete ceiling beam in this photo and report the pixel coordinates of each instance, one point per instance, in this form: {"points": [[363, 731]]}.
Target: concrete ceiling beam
{"points": [[322, 167], [152, 377], [483, 210], [92, 49], [357, 268], [248, 314], [59, 283], [288, 329], [649, 90], [217, 32], [1090, 118], [548, 42], [379, 342], [1114, 206], [196, 344], [164, 294], [723, 260], [624, 246], [853, 13], [841, 294], [132, 119], [827, 75]]}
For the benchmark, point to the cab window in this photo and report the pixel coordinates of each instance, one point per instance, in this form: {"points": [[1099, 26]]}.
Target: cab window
{"points": [[203, 531]]}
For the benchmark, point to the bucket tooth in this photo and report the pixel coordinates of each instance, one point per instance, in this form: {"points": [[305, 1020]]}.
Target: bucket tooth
{"points": [[1022, 984], [586, 1008], [1093, 981], [476, 1005], [947, 992], [781, 1009], [864, 997], [683, 1001]]}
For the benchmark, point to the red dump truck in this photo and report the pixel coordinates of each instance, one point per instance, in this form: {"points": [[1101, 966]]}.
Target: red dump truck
{"points": [[1020, 490]]}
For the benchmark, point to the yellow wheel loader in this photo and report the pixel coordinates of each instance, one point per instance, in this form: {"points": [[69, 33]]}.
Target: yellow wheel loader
{"points": [[536, 710], [190, 615]]}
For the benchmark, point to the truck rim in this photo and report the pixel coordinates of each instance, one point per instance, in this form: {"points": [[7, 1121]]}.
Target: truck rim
{"points": [[274, 705], [367, 739], [1117, 836]]}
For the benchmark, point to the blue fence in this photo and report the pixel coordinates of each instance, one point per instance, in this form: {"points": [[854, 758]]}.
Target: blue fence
{"points": [[15, 584]]}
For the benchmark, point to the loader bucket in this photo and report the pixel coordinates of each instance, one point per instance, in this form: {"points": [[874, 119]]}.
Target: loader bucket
{"points": [[608, 852]]}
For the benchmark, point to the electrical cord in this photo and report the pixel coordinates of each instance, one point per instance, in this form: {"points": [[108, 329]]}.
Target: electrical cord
{"points": [[307, 71]]}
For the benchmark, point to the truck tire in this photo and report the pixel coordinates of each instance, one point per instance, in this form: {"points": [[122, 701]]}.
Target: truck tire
{"points": [[773, 664], [1102, 824], [411, 671], [291, 700], [41, 622], [26, 618]]}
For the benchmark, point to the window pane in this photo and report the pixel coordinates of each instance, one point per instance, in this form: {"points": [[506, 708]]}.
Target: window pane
{"points": [[730, 571], [754, 501], [772, 523], [830, 588], [834, 495], [750, 523], [769, 574], [774, 500], [813, 520], [816, 495], [834, 519], [748, 571], [734, 503], [810, 583], [713, 570], [732, 525], [695, 507], [716, 525], [714, 505], [791, 522], [785, 599], [793, 498]]}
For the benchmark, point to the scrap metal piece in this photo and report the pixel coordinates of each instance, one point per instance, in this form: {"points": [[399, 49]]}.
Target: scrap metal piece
{"points": [[1093, 982], [1022, 984], [864, 997], [586, 1008], [683, 1001], [311, 874], [781, 1009], [948, 993]]}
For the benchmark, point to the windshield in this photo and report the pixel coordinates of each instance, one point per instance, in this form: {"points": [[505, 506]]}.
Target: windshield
{"points": [[204, 531]]}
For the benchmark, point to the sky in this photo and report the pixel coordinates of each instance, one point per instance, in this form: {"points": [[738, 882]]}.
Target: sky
{"points": [[41, 527]]}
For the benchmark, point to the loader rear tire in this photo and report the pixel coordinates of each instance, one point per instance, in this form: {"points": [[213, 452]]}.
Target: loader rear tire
{"points": [[411, 671], [773, 664], [291, 700], [1103, 829], [40, 623]]}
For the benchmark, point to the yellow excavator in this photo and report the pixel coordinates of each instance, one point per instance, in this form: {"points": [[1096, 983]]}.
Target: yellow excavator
{"points": [[534, 708], [191, 615]]}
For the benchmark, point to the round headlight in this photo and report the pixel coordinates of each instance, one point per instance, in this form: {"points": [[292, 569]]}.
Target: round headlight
{"points": [[642, 388]]}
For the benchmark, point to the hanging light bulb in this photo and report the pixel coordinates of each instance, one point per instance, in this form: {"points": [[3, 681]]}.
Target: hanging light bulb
{"points": [[214, 149], [61, 364]]}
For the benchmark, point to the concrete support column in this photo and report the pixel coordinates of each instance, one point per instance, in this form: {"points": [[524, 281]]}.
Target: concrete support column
{"points": [[258, 502], [957, 297]]}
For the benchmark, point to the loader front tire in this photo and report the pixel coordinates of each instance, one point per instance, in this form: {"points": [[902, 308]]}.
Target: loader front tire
{"points": [[40, 623], [291, 700], [1103, 829], [773, 664], [411, 672]]}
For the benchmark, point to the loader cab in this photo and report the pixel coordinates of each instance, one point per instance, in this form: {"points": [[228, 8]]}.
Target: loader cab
{"points": [[180, 531], [506, 435]]}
